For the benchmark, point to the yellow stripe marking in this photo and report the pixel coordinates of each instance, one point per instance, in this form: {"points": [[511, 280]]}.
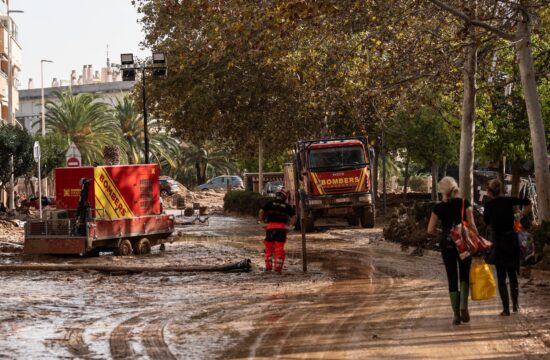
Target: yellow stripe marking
{"points": [[108, 195]]}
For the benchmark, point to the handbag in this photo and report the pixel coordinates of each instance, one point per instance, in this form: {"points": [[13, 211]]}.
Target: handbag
{"points": [[467, 241], [482, 282]]}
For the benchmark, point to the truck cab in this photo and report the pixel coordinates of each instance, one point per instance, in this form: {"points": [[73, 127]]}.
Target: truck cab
{"points": [[331, 178]]}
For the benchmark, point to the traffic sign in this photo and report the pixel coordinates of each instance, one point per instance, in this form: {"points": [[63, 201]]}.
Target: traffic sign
{"points": [[73, 162], [36, 151], [73, 157]]}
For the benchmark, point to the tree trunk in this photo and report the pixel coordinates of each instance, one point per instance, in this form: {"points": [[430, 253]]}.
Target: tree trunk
{"points": [[444, 172], [501, 169], [375, 171], [466, 167], [516, 179], [201, 178], [243, 265], [435, 175], [406, 175], [534, 114]]}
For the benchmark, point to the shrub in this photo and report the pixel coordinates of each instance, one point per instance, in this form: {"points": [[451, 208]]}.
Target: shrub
{"points": [[244, 202], [419, 184]]}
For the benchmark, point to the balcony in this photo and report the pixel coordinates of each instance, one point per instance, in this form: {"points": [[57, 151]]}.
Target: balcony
{"points": [[15, 48]]}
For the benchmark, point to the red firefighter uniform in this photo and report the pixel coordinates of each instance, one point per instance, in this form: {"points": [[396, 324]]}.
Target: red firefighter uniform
{"points": [[277, 214]]}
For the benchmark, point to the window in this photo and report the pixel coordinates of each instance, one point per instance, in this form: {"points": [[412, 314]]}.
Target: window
{"points": [[344, 156]]}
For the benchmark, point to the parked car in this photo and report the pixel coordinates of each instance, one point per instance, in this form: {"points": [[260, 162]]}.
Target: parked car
{"points": [[220, 182], [271, 187], [168, 186], [33, 202]]}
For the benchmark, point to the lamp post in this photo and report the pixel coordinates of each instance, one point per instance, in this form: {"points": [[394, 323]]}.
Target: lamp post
{"points": [[129, 68], [43, 182], [10, 100], [43, 113]]}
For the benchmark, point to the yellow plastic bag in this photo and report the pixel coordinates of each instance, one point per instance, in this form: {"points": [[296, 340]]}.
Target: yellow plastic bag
{"points": [[482, 282]]}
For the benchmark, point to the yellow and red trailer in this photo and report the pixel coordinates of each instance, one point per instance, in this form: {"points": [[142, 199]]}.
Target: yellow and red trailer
{"points": [[109, 208]]}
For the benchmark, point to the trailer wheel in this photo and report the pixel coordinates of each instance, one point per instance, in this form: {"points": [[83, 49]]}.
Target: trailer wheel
{"points": [[124, 248], [367, 217], [142, 247]]}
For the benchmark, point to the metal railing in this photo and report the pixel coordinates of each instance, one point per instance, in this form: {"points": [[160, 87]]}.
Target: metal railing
{"points": [[59, 227], [59, 223]]}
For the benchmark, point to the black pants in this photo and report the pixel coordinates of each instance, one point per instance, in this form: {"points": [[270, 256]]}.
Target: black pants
{"points": [[502, 273], [456, 268]]}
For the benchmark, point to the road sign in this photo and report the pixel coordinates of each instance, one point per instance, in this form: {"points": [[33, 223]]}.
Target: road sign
{"points": [[36, 151], [73, 157], [73, 162]]}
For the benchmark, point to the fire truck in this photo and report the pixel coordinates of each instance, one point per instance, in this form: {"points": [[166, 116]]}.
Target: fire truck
{"points": [[109, 208], [330, 178]]}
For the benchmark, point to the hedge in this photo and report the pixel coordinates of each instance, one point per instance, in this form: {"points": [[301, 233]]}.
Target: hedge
{"points": [[244, 202]]}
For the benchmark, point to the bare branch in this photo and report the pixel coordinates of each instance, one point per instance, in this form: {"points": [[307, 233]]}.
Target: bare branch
{"points": [[471, 21]]}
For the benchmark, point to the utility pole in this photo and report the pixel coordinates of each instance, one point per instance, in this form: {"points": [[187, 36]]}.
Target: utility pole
{"points": [[260, 167], [43, 182]]}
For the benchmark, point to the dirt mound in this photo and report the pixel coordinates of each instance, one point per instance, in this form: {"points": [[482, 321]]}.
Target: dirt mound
{"points": [[10, 231], [211, 199]]}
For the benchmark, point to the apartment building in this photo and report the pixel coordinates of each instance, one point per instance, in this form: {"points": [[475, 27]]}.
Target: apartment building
{"points": [[9, 48]]}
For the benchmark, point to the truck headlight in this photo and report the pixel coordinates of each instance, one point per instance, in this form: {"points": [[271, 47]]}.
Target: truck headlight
{"points": [[365, 198], [315, 202]]}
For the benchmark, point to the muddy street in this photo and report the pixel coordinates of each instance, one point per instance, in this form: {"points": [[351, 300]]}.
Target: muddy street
{"points": [[361, 298]]}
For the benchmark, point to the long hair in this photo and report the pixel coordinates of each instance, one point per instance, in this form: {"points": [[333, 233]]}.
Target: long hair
{"points": [[495, 187], [448, 188]]}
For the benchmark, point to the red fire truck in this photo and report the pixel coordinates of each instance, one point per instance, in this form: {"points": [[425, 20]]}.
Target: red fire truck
{"points": [[330, 178], [98, 208]]}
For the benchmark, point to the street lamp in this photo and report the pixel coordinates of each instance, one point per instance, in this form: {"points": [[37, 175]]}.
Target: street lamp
{"points": [[10, 98], [43, 123], [129, 68]]}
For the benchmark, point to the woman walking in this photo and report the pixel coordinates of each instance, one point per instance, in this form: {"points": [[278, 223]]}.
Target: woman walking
{"points": [[499, 214], [450, 212]]}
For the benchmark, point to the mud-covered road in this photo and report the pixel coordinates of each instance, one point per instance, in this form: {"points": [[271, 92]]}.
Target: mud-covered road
{"points": [[362, 298]]}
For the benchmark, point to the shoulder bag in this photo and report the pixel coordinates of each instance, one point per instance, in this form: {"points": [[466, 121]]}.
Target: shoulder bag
{"points": [[467, 241]]}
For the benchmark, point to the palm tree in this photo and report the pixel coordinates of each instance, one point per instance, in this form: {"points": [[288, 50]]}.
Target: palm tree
{"points": [[162, 146], [205, 161], [83, 120]]}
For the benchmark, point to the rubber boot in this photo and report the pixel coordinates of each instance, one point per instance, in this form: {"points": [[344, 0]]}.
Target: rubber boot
{"points": [[515, 294], [464, 293], [455, 303], [503, 291]]}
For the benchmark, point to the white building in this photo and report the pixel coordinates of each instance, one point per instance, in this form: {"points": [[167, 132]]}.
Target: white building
{"points": [[29, 113]]}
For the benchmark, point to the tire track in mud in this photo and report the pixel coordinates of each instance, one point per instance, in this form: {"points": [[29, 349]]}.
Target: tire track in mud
{"points": [[153, 340], [74, 337], [336, 318], [279, 335], [119, 340]]}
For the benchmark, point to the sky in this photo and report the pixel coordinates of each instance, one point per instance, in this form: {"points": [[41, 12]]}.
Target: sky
{"points": [[73, 33]]}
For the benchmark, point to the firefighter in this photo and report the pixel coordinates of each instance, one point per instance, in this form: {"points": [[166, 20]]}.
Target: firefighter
{"points": [[277, 214]]}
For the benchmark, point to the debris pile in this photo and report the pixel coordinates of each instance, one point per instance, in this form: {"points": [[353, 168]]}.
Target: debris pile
{"points": [[10, 231], [210, 200], [408, 225]]}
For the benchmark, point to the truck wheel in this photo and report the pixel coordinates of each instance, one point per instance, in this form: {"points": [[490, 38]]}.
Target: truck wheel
{"points": [[124, 248], [164, 193], [353, 221], [142, 247], [367, 217]]}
